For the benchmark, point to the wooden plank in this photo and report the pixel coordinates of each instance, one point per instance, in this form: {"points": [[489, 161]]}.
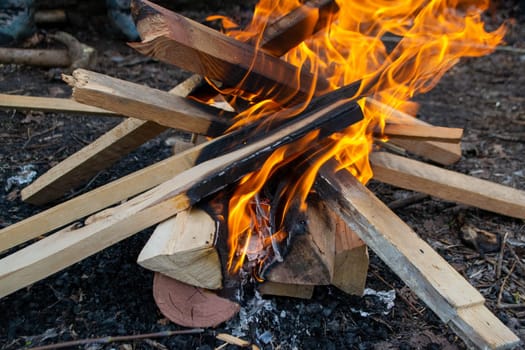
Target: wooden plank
{"points": [[178, 40], [286, 290], [183, 249], [441, 152], [134, 183], [62, 249], [431, 278], [423, 133], [448, 185], [84, 164], [49, 104], [145, 103]]}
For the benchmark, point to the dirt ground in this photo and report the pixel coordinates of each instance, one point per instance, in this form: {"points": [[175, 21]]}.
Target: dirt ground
{"points": [[109, 294]]}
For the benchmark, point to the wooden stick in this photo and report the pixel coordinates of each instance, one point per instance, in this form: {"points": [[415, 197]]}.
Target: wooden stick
{"points": [[183, 249], [442, 288], [418, 176], [76, 169], [35, 57], [145, 103], [62, 249], [178, 40], [440, 152], [50, 16], [423, 133], [49, 104]]}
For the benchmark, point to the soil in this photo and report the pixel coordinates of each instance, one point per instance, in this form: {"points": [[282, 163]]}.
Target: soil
{"points": [[109, 294]]}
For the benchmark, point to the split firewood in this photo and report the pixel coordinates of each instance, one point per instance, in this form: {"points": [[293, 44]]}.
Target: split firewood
{"points": [[441, 152], [423, 133], [77, 55], [448, 185], [110, 147], [58, 251], [430, 277], [297, 26], [310, 260], [190, 45], [183, 248]]}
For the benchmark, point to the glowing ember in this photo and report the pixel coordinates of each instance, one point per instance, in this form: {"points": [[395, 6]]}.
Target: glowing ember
{"points": [[434, 35]]}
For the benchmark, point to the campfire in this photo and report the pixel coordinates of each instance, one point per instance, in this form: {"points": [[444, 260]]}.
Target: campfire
{"points": [[301, 108]]}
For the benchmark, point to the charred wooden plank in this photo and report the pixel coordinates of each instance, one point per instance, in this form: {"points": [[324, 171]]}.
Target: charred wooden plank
{"points": [[181, 41], [142, 180], [442, 288], [292, 29], [142, 102], [62, 249]]}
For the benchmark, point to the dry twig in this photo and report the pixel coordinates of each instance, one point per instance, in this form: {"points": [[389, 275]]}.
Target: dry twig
{"points": [[107, 340]]}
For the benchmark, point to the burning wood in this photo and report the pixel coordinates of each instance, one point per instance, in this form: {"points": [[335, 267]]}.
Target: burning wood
{"points": [[278, 146]]}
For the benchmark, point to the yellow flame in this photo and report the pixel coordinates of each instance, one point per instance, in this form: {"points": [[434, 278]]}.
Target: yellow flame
{"points": [[433, 36]]}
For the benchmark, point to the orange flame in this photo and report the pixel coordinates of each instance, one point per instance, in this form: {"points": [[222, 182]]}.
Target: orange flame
{"points": [[433, 36]]}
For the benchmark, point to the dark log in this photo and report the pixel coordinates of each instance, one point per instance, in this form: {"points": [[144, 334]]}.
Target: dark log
{"points": [[181, 41]]}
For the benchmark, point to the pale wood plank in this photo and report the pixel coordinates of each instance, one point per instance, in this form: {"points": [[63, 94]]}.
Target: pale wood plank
{"points": [[351, 259], [423, 133], [49, 104], [441, 152], [100, 154], [87, 162], [418, 176], [440, 286]]}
